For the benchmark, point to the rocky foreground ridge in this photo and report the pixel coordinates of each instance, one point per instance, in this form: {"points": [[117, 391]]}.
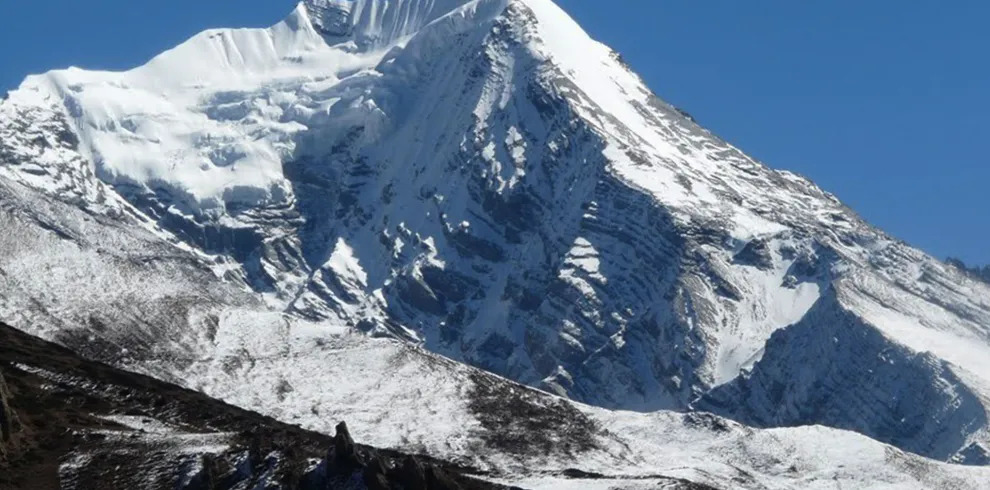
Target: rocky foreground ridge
{"points": [[67, 423]]}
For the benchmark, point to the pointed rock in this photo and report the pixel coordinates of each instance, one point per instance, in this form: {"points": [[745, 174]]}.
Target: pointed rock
{"points": [[343, 451]]}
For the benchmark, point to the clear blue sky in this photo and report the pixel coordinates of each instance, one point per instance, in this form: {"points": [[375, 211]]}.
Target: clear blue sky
{"points": [[884, 103]]}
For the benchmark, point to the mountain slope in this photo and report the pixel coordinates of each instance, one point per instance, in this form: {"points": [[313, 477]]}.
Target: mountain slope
{"points": [[79, 424], [69, 423], [483, 179], [316, 374]]}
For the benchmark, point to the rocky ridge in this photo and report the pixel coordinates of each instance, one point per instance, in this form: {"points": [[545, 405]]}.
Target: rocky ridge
{"points": [[87, 425]]}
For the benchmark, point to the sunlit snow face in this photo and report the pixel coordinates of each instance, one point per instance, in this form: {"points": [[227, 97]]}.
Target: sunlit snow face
{"points": [[212, 120]]}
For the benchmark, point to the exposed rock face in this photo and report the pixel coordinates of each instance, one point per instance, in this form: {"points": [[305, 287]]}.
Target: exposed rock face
{"points": [[527, 423], [331, 17]]}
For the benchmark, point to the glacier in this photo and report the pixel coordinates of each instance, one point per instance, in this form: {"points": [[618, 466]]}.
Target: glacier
{"points": [[481, 181]]}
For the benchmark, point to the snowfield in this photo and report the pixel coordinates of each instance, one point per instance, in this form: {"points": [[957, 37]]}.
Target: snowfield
{"points": [[391, 212]]}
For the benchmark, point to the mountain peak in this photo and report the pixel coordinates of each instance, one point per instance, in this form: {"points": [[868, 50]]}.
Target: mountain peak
{"points": [[482, 177], [378, 23]]}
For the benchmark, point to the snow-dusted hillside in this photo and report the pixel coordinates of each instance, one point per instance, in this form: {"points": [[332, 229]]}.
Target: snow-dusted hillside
{"points": [[484, 180]]}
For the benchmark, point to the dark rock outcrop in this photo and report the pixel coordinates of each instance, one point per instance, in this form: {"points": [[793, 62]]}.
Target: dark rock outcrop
{"points": [[343, 453], [756, 253], [412, 474], [375, 477], [8, 419]]}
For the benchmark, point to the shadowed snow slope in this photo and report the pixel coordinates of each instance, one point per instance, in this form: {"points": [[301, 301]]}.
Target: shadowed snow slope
{"points": [[484, 180]]}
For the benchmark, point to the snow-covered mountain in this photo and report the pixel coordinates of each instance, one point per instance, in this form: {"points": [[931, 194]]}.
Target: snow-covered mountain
{"points": [[483, 180]]}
